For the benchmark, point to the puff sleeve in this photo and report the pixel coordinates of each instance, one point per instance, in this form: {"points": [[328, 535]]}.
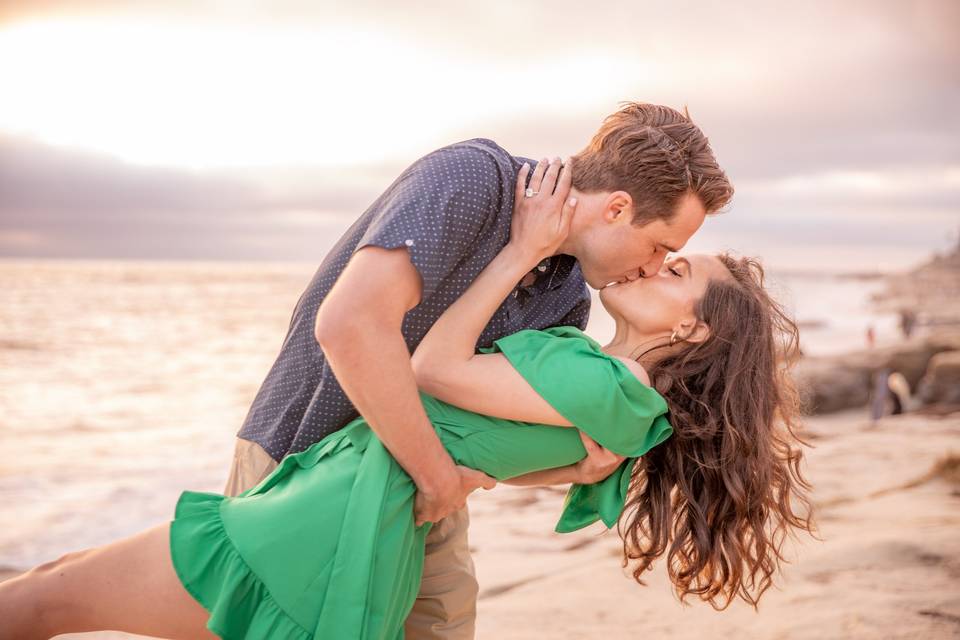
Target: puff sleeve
{"points": [[600, 396]]}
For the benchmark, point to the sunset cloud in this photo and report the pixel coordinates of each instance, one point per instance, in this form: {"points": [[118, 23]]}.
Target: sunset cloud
{"points": [[155, 120]]}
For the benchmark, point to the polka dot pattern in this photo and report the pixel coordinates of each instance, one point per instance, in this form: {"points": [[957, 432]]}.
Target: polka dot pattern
{"points": [[451, 209]]}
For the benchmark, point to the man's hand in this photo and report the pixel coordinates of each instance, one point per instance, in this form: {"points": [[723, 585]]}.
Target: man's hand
{"points": [[433, 506], [599, 462]]}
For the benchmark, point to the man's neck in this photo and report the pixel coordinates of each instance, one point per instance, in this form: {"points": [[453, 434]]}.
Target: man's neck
{"points": [[571, 243]]}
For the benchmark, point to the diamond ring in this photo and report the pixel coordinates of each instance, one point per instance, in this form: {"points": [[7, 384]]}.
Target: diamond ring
{"points": [[529, 193]]}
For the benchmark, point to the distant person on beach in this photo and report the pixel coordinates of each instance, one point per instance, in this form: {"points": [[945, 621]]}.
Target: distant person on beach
{"points": [[908, 322], [692, 396]]}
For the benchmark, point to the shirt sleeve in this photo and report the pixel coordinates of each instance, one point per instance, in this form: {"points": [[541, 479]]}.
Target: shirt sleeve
{"points": [[600, 396], [437, 209]]}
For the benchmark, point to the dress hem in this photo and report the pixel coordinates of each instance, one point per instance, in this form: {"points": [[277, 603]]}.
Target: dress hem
{"points": [[239, 604]]}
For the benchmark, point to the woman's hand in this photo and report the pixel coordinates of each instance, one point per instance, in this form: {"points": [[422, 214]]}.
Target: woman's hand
{"points": [[541, 223]]}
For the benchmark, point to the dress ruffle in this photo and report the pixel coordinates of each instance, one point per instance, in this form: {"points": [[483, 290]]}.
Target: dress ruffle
{"points": [[366, 589], [215, 574]]}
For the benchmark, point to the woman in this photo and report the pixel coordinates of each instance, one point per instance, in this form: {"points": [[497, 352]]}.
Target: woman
{"points": [[714, 488]]}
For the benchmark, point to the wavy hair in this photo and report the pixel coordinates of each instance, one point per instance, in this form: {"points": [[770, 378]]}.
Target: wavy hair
{"points": [[656, 154], [719, 496]]}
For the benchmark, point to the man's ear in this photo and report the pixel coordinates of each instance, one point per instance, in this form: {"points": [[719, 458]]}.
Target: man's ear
{"points": [[619, 205]]}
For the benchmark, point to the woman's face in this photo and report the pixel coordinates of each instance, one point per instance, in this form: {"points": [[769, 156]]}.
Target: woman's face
{"points": [[664, 302]]}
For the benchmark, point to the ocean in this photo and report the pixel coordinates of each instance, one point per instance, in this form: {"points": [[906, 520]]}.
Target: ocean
{"points": [[123, 383]]}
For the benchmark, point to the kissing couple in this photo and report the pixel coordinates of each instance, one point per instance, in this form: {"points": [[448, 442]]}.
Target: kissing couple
{"points": [[440, 348]]}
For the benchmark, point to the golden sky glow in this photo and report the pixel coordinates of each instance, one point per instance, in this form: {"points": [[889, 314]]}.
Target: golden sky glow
{"points": [[265, 124], [192, 95]]}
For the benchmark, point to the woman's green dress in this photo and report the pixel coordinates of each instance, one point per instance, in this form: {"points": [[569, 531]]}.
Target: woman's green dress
{"points": [[326, 547]]}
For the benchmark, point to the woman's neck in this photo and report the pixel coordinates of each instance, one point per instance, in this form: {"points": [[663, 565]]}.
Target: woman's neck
{"points": [[638, 346]]}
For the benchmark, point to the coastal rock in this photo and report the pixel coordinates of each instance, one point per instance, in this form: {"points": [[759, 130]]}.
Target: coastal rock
{"points": [[835, 383], [930, 293], [941, 383], [910, 359], [828, 385]]}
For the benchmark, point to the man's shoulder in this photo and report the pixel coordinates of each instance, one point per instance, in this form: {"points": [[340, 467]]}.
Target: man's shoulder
{"points": [[471, 145], [477, 152], [471, 165]]}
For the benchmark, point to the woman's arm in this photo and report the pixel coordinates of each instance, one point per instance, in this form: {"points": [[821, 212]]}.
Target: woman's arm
{"points": [[556, 475], [445, 363], [446, 366], [598, 464]]}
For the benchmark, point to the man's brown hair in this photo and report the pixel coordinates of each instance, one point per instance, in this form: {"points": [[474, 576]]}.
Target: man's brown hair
{"points": [[656, 154]]}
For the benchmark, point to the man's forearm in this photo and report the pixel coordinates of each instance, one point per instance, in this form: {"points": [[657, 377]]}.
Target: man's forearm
{"points": [[372, 363]]}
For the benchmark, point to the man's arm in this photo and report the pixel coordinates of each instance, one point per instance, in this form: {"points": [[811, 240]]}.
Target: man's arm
{"points": [[358, 327]]}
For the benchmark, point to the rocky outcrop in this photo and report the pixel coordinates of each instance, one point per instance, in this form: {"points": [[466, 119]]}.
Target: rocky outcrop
{"points": [[941, 383], [930, 365], [931, 291], [828, 386], [840, 382]]}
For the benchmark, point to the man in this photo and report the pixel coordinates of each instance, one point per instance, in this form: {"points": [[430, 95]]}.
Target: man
{"points": [[644, 184]]}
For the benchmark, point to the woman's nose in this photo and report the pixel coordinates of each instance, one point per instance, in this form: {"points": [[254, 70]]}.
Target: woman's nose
{"points": [[652, 267]]}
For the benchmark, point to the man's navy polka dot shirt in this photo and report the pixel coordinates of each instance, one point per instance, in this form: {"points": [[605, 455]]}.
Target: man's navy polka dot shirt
{"points": [[451, 209]]}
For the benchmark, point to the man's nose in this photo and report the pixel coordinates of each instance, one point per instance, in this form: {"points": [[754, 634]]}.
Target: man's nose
{"points": [[652, 267]]}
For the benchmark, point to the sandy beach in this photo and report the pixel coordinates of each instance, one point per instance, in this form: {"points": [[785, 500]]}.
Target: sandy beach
{"points": [[183, 183], [887, 564]]}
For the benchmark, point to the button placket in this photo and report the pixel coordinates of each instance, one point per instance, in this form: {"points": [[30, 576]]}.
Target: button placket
{"points": [[514, 316]]}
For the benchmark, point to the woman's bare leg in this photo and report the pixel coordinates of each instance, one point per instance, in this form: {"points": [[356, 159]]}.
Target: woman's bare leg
{"points": [[128, 585]]}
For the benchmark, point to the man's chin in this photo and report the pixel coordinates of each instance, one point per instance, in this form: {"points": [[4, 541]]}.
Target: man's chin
{"points": [[595, 282], [608, 283], [607, 288]]}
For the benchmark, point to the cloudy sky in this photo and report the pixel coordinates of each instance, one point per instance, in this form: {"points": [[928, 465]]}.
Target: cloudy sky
{"points": [[255, 130]]}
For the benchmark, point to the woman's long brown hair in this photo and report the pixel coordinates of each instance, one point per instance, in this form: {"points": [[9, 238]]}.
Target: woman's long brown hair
{"points": [[719, 495]]}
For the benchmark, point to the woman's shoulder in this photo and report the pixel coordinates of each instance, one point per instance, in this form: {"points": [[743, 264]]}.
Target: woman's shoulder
{"points": [[603, 395], [561, 350], [635, 368]]}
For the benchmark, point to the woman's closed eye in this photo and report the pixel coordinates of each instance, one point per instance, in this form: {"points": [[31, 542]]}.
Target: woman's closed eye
{"points": [[674, 272]]}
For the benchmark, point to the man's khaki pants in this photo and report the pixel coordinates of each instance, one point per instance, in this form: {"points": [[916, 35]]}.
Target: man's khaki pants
{"points": [[446, 606]]}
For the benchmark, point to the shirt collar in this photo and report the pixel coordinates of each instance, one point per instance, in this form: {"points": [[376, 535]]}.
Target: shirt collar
{"points": [[562, 266], [557, 270]]}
